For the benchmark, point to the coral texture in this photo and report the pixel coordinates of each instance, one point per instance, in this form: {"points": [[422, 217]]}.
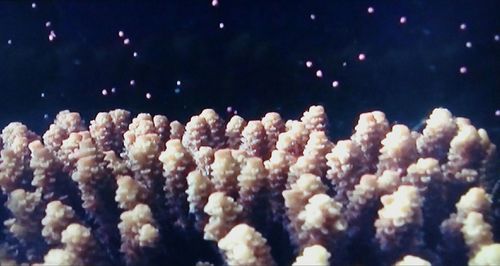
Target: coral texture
{"points": [[147, 190]]}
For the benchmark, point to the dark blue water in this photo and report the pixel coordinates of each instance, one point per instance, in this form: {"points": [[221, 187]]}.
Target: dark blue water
{"points": [[256, 63]]}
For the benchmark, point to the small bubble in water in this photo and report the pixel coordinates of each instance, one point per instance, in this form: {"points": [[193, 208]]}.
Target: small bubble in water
{"points": [[148, 96], [371, 10], [335, 84], [361, 57], [104, 92], [132, 82], [402, 20], [309, 64], [463, 70], [463, 26]]}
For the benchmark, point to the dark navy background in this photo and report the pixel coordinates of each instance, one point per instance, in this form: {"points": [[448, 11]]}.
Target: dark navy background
{"points": [[256, 63]]}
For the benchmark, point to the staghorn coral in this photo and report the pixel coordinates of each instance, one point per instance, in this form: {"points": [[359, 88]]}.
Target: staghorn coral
{"points": [[147, 190]]}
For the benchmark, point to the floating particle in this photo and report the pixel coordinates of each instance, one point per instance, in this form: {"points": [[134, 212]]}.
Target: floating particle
{"points": [[468, 44], [177, 90], [230, 110], [148, 95], [463, 26], [319, 73], [312, 16], [497, 112], [113, 90], [215, 2], [463, 70], [309, 64], [126, 41], [52, 35], [42, 94], [361, 57], [9, 42], [46, 116], [344, 64], [371, 10], [104, 92], [496, 37], [335, 84], [402, 20], [33, 5], [135, 54], [121, 34], [132, 82], [178, 83], [48, 24], [221, 25]]}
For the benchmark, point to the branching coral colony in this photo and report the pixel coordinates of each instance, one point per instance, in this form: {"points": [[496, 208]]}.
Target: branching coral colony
{"points": [[147, 191]]}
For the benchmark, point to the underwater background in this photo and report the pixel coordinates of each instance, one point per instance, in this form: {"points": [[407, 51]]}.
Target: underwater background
{"points": [[401, 57]]}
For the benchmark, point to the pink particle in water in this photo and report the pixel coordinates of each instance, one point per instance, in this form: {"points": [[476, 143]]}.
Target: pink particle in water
{"points": [[215, 2], [463, 70], [135, 54], [312, 16], [48, 24], [361, 57], [221, 25], [463, 26], [371, 10], [309, 64], [497, 112], [121, 34], [126, 41], [132, 82], [52, 35], [104, 92], [148, 95], [402, 20], [319, 73], [335, 84]]}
